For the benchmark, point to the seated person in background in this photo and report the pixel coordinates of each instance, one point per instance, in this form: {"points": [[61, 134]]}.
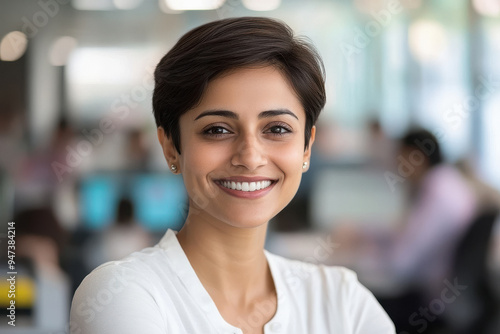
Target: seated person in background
{"points": [[40, 240], [418, 256], [126, 235], [442, 206], [122, 238]]}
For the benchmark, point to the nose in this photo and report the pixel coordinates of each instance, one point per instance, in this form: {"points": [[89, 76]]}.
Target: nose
{"points": [[249, 153]]}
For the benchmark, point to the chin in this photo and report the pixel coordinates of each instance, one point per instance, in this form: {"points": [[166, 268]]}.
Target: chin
{"points": [[250, 222], [248, 219]]}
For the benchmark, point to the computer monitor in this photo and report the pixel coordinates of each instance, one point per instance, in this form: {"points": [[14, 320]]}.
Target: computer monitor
{"points": [[159, 200]]}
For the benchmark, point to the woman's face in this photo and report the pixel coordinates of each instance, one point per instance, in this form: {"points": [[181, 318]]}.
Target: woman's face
{"points": [[242, 148]]}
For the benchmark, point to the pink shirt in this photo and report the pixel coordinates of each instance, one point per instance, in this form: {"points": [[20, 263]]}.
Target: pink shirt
{"points": [[444, 209]]}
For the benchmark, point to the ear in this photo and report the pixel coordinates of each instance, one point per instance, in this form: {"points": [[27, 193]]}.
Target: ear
{"points": [[307, 152], [169, 150]]}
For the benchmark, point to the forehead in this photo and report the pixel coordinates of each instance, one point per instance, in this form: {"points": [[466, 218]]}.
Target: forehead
{"points": [[249, 90]]}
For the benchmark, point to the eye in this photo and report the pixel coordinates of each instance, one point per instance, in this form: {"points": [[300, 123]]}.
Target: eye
{"points": [[216, 131], [278, 129]]}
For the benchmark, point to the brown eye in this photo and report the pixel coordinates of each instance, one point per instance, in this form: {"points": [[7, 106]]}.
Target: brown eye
{"points": [[278, 130], [216, 131]]}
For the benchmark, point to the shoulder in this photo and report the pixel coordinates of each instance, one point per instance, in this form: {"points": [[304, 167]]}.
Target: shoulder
{"points": [[114, 289], [337, 288], [335, 276], [134, 267], [335, 283], [445, 185], [448, 176]]}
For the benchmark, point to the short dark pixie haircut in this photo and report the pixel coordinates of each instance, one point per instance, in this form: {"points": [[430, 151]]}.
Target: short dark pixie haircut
{"points": [[215, 48]]}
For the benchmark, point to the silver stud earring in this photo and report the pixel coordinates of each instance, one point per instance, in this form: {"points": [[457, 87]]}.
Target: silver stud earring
{"points": [[173, 168], [304, 165]]}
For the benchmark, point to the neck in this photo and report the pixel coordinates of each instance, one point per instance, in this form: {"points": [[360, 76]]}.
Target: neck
{"points": [[229, 261]]}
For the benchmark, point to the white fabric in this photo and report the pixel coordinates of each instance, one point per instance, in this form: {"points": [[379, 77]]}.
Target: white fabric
{"points": [[157, 291]]}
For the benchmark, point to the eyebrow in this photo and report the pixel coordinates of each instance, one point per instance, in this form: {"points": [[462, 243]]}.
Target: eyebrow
{"points": [[218, 112], [233, 115]]}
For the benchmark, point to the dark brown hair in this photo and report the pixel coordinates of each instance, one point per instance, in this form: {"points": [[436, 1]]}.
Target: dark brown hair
{"points": [[215, 48], [41, 222], [425, 142]]}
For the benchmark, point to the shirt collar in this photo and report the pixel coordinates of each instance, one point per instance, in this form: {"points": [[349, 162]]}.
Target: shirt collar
{"points": [[187, 276]]}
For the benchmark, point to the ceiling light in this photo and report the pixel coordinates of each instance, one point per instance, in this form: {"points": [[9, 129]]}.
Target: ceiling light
{"points": [[427, 40], [261, 5], [13, 46], [194, 4], [487, 7], [127, 4], [93, 4]]}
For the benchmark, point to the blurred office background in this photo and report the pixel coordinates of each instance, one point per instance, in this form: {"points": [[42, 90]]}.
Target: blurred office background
{"points": [[84, 180]]}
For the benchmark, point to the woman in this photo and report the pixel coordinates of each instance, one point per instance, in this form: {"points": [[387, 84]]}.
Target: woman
{"points": [[235, 103]]}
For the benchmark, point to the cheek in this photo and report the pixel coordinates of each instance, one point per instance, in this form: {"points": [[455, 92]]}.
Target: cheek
{"points": [[197, 164], [289, 161], [202, 158], [194, 176]]}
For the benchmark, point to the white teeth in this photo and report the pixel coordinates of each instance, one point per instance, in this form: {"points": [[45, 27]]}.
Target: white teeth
{"points": [[246, 186]]}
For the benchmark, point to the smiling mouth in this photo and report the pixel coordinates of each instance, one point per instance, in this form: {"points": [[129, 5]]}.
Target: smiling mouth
{"points": [[246, 186]]}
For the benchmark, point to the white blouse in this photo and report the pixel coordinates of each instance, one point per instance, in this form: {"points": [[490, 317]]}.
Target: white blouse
{"points": [[157, 291]]}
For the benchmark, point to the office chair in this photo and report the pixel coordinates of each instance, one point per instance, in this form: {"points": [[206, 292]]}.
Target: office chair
{"points": [[475, 309]]}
